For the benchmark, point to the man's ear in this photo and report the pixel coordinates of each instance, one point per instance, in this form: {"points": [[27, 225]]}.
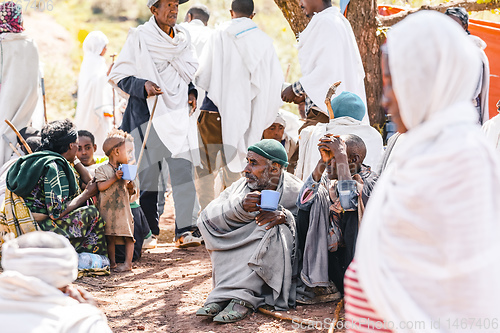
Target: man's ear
{"points": [[354, 159], [275, 167], [189, 17], [153, 10], [95, 147], [252, 16], [232, 14]]}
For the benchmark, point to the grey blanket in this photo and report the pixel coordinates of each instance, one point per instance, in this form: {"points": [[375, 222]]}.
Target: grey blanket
{"points": [[249, 262]]}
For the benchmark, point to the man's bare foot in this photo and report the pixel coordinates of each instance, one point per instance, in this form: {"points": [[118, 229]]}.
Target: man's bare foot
{"points": [[123, 268], [113, 265]]}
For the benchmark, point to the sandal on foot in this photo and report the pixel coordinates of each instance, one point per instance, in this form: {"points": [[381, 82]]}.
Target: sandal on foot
{"points": [[229, 315], [210, 310]]}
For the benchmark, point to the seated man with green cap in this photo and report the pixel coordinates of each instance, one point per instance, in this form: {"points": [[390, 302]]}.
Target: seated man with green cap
{"points": [[348, 110], [252, 249]]}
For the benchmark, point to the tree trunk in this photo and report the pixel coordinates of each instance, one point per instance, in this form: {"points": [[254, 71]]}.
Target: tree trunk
{"points": [[363, 17], [293, 14]]}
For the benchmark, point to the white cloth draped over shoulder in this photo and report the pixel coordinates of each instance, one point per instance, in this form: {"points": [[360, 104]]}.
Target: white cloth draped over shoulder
{"points": [[241, 72], [310, 136], [29, 298], [328, 53], [492, 130], [95, 95], [485, 79], [151, 54], [19, 85], [428, 246]]}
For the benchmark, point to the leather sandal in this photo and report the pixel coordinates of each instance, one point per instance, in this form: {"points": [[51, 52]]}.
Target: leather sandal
{"points": [[210, 310], [229, 315]]}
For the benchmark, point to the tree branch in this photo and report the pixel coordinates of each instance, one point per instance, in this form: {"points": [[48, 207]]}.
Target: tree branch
{"points": [[469, 5], [293, 14]]}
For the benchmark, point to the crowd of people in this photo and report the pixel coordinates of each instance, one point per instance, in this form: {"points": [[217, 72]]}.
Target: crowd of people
{"points": [[292, 209]]}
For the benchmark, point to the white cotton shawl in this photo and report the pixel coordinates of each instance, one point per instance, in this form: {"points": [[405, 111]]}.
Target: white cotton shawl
{"points": [[95, 94], [328, 53], [310, 136], [428, 245], [492, 130], [151, 54], [19, 78], [241, 72]]}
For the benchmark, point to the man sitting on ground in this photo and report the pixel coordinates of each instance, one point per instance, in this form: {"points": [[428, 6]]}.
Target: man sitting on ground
{"points": [[36, 294], [252, 249], [330, 208]]}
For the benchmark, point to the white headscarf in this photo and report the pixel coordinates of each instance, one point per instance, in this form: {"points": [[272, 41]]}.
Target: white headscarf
{"points": [[57, 267], [427, 248]]}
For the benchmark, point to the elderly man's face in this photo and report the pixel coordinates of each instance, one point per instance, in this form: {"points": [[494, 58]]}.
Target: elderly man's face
{"points": [[260, 173], [166, 12], [275, 131]]}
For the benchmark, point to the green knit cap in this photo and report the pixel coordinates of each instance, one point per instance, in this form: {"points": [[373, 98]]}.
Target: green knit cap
{"points": [[272, 150]]}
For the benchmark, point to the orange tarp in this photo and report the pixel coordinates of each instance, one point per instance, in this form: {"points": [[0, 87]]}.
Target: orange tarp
{"points": [[490, 33]]}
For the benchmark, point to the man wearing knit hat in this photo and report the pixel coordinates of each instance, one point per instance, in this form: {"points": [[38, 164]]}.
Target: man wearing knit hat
{"points": [[251, 249]]}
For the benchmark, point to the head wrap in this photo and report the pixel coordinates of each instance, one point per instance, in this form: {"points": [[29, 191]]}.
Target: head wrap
{"points": [[461, 14], [56, 266], [152, 2], [272, 150], [348, 104], [95, 42], [280, 119], [11, 17]]}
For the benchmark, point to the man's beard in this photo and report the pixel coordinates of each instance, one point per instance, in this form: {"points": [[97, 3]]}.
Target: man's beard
{"points": [[256, 184]]}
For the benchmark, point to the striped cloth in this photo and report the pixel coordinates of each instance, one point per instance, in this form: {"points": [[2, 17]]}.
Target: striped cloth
{"points": [[359, 314]]}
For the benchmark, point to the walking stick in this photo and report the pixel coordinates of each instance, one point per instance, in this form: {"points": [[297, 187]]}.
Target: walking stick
{"points": [[150, 122], [43, 98], [328, 98], [11, 145], [110, 67], [28, 149]]}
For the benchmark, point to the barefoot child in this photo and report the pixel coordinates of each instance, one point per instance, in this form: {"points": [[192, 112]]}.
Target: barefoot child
{"points": [[114, 199]]}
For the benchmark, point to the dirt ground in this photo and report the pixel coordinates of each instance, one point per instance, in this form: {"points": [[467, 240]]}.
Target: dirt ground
{"points": [[168, 285]]}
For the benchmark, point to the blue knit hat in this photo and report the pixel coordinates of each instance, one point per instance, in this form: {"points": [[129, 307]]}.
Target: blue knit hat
{"points": [[272, 150], [348, 104]]}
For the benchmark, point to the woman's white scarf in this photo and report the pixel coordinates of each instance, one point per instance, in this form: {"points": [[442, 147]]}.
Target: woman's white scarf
{"points": [[95, 95], [428, 245], [149, 53], [328, 52]]}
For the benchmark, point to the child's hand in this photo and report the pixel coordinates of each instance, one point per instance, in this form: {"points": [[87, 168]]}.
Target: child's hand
{"points": [[130, 185], [119, 174]]}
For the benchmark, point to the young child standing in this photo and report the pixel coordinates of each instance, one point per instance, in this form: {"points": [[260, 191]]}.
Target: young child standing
{"points": [[114, 199]]}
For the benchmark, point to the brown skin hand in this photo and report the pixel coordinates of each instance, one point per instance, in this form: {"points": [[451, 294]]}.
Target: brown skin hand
{"points": [[339, 162], [261, 175], [389, 100], [289, 96]]}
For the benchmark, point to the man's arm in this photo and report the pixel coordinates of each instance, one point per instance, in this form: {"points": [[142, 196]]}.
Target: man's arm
{"points": [[192, 97], [139, 88]]}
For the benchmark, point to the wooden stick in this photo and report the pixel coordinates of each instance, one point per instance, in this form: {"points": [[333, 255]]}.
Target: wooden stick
{"points": [[11, 145], [28, 149], [287, 72], [328, 98], [114, 106], [44, 102], [339, 307], [281, 316], [150, 122]]}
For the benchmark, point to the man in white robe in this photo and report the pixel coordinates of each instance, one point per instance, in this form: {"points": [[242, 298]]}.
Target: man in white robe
{"points": [[158, 62], [349, 111], [492, 130], [19, 75], [94, 109], [242, 75], [36, 294], [328, 52]]}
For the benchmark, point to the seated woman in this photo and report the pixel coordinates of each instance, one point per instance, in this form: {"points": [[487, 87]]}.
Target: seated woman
{"points": [[48, 184]]}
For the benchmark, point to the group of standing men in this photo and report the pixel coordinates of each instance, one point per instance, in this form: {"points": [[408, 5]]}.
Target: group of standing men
{"points": [[237, 78]]}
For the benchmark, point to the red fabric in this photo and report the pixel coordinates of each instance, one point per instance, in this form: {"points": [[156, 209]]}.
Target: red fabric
{"points": [[487, 31]]}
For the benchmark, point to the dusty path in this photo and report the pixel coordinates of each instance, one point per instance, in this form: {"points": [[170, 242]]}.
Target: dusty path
{"points": [[168, 285]]}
